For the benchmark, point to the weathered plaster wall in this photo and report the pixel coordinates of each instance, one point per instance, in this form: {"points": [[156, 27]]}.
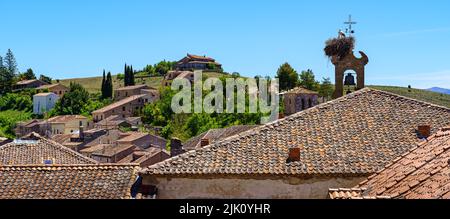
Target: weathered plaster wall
{"points": [[223, 188]]}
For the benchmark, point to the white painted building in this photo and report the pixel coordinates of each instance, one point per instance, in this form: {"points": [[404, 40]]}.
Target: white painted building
{"points": [[44, 102]]}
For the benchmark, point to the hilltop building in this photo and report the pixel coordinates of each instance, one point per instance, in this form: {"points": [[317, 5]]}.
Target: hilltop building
{"points": [[195, 62]]}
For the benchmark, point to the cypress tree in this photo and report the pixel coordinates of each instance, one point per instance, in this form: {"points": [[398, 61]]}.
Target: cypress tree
{"points": [[109, 85], [103, 85], [132, 76], [125, 72]]}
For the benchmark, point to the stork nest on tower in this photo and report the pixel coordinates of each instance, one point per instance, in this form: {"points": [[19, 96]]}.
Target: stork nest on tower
{"points": [[339, 47]]}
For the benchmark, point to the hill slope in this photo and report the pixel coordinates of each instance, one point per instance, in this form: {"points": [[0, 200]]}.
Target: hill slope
{"points": [[423, 95], [439, 90]]}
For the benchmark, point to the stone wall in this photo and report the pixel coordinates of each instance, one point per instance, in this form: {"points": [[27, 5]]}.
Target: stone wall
{"points": [[248, 188]]}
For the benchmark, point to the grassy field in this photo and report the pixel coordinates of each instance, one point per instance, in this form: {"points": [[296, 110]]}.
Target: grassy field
{"points": [[423, 95], [93, 84]]}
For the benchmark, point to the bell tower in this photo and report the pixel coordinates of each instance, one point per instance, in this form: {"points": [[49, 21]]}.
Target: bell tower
{"points": [[347, 61]]}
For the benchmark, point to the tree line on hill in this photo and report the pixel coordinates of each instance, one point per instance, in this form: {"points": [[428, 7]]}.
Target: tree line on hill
{"points": [[9, 73], [289, 79]]}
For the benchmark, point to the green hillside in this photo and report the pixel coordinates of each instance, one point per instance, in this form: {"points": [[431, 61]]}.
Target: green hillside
{"points": [[423, 95], [93, 85]]}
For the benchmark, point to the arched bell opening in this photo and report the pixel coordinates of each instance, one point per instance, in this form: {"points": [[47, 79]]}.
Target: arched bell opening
{"points": [[350, 81]]}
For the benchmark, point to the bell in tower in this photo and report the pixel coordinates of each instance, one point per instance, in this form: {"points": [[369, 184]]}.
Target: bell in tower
{"points": [[349, 80]]}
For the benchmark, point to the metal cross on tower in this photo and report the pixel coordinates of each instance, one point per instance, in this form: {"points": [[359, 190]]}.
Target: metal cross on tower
{"points": [[349, 30]]}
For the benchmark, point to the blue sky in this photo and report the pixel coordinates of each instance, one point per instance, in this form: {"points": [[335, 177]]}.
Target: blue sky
{"points": [[407, 41]]}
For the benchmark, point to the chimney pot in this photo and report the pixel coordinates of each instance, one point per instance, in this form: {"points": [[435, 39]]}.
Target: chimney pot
{"points": [[424, 131], [176, 147], [204, 142], [294, 155]]}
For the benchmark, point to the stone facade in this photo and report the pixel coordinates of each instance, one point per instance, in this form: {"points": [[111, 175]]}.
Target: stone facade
{"points": [[57, 89], [247, 188], [298, 100]]}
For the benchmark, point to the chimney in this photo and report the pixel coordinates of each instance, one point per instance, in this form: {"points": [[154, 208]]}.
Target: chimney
{"points": [[294, 155], [81, 134], [424, 131], [204, 142], [176, 148]]}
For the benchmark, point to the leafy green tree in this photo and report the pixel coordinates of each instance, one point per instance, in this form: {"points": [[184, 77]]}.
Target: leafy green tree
{"points": [[308, 81], [73, 102], [326, 88], [16, 101], [45, 79], [287, 76], [163, 67], [29, 75]]}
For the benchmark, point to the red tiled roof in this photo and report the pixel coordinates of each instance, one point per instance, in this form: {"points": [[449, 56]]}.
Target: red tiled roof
{"points": [[352, 194], [25, 82], [119, 103], [355, 135], [39, 151], [49, 86], [109, 181], [300, 90], [214, 135], [140, 86], [66, 118], [421, 173]]}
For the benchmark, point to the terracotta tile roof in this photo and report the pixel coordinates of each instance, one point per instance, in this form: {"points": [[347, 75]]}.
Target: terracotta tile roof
{"points": [[355, 135], [64, 119], [61, 138], [49, 86], [300, 90], [36, 152], [43, 94], [140, 86], [119, 103], [110, 181], [215, 135], [95, 148], [24, 82], [421, 173], [352, 194], [111, 150], [200, 57]]}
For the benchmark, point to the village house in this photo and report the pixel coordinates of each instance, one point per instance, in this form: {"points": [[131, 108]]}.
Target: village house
{"points": [[28, 84], [74, 181], [34, 149], [146, 157], [29, 167], [195, 62], [117, 122], [44, 102], [299, 99], [38, 126], [124, 108], [86, 139], [68, 124], [334, 145], [57, 89], [421, 173], [172, 75], [112, 153], [142, 140], [125, 92]]}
